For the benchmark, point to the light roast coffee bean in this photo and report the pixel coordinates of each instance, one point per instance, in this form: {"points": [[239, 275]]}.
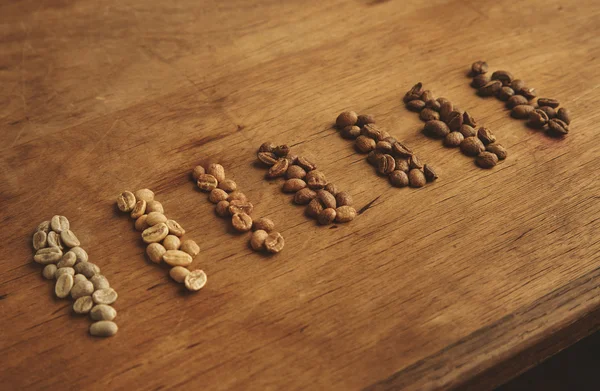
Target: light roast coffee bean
{"points": [[343, 198], [190, 247], [222, 209], [155, 252], [237, 206], [264, 224], [177, 258], [179, 273], [217, 171], [345, 214], [207, 182], [315, 180], [278, 169], [313, 208], [218, 195], [171, 242], [196, 172], [274, 242], [139, 209], [327, 216], [241, 222], [257, 240], [126, 201], [195, 281], [175, 228], [295, 172], [228, 185]]}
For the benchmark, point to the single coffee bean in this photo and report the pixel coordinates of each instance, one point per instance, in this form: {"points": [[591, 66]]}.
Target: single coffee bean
{"points": [[304, 196], [103, 328], [538, 118], [155, 252], [416, 178], [430, 174], [237, 195], [190, 247], [268, 158], [398, 178], [217, 195], [479, 67], [343, 198], [155, 218], [77, 278], [88, 269], [69, 239], [179, 273], [293, 185], [63, 286], [238, 206], [350, 132], [443, 100], [49, 271], [195, 280], [437, 129], [306, 164], [497, 149], [428, 114], [402, 164], [53, 239], [326, 198], [516, 100], [386, 164], [144, 194], [548, 102], [257, 240], [80, 253], [175, 228], [491, 88], [467, 131], [383, 147], [503, 76], [197, 171], [217, 171], [241, 222], [365, 119], [227, 185], [453, 139], [402, 150], [83, 305], [373, 157], [416, 105], [485, 135], [347, 118], [207, 182], [40, 240], [295, 172], [267, 147], [274, 242], [291, 158], [139, 209], [68, 260], [486, 159], [521, 111], [99, 282], [176, 258], [83, 288], [345, 214], [445, 110], [316, 180], [332, 188], [471, 146], [48, 255], [103, 312], [433, 104], [59, 224], [550, 112], [556, 127], [222, 209], [278, 169], [517, 85], [155, 233], [505, 93], [105, 296], [327, 216], [564, 115], [414, 162], [171, 242], [264, 224], [140, 223], [281, 150], [313, 208], [468, 119], [44, 226], [64, 270], [455, 121], [528, 92], [372, 131], [414, 93], [480, 80]]}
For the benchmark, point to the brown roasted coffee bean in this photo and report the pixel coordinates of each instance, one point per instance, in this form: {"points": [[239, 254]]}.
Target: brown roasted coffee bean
{"points": [[207, 182], [268, 158], [264, 223], [372, 131], [472, 146], [453, 139], [315, 179], [503, 76], [446, 108], [399, 178], [332, 188], [293, 185], [557, 127], [414, 162], [217, 195], [480, 80], [373, 157], [538, 118], [479, 68], [278, 169], [467, 131], [281, 150], [428, 114], [343, 198], [548, 102], [402, 150], [364, 119], [486, 159], [350, 132], [383, 147], [521, 111], [295, 172], [239, 206], [402, 164], [468, 119], [497, 149], [327, 216], [528, 92], [485, 135], [427, 95], [306, 164], [505, 93], [242, 222], [126, 201], [228, 185], [491, 88], [455, 121], [430, 174], [327, 199], [217, 171], [197, 171], [274, 242], [347, 118], [433, 104], [564, 115], [414, 93], [304, 196], [344, 214], [313, 208], [516, 100], [266, 147], [436, 129], [386, 164], [222, 209], [550, 112], [416, 105], [416, 178], [517, 85], [443, 100]]}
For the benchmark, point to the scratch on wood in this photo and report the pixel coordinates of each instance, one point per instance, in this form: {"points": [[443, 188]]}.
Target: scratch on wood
{"points": [[364, 208], [2, 297], [155, 286]]}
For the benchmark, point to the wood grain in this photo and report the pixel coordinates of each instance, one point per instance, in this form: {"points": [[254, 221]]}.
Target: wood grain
{"points": [[465, 282]]}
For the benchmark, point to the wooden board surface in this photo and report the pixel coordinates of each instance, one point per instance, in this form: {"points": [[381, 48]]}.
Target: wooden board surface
{"points": [[464, 282]]}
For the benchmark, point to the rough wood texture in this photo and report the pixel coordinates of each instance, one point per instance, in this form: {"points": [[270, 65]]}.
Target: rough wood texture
{"points": [[428, 288]]}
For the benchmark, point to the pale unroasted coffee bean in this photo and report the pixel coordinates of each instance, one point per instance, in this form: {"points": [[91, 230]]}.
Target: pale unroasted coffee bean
{"points": [[436, 129], [67, 260], [63, 286], [564, 115], [467, 131], [472, 146], [206, 182], [326, 198], [197, 171], [521, 111], [257, 240], [77, 278], [155, 233], [386, 164], [365, 119], [486, 160], [44, 226], [126, 201], [332, 188], [64, 270], [53, 240], [486, 136], [82, 288], [497, 150], [83, 304], [504, 77], [105, 296], [99, 282], [516, 100], [480, 80], [49, 271], [453, 139], [343, 198], [177, 258], [428, 114], [228, 185], [416, 178], [154, 206], [80, 253], [190, 247], [40, 240], [265, 224], [364, 144], [479, 67], [48, 255], [141, 224], [237, 195], [175, 228], [402, 164], [315, 180], [327, 216], [103, 312], [278, 169], [347, 118], [171, 242], [344, 214], [69, 239], [155, 252], [103, 328], [295, 172], [304, 196], [217, 171], [88, 269], [222, 209], [59, 224], [491, 88], [237, 206], [430, 174], [179, 273], [313, 208], [242, 222], [306, 164], [218, 195], [195, 280], [398, 178], [415, 105], [267, 158], [155, 218], [274, 242], [144, 194], [139, 209], [293, 185]]}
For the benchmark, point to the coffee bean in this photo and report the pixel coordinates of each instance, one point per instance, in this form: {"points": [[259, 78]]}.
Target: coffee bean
{"points": [[175, 228], [327, 216], [414, 162], [257, 240], [176, 258], [155, 252], [443, 100], [455, 120], [64, 270], [429, 114], [345, 214], [486, 160], [241, 222], [77, 278], [556, 127], [83, 305], [433, 104], [497, 150], [402, 164], [306, 164], [347, 118], [304, 196], [88, 269], [67, 260], [190, 247], [63, 286], [80, 253], [268, 158], [264, 224], [217, 171], [293, 185], [267, 147], [350, 132], [39, 240], [516, 100], [528, 93], [197, 171], [291, 158], [237, 195], [564, 115], [416, 105], [414, 93], [155, 233], [436, 129], [195, 280], [538, 118], [467, 131], [99, 282], [105, 296], [548, 102], [48, 255], [207, 182], [445, 110], [402, 150], [550, 112], [59, 224], [217, 195], [139, 209], [343, 198], [83, 288], [228, 185], [69, 239], [103, 328], [503, 76], [491, 88], [505, 93], [480, 80], [373, 157], [517, 85], [365, 119], [416, 178], [386, 164], [332, 188], [430, 174], [485, 135], [521, 111], [453, 139], [238, 206], [398, 178], [468, 119], [479, 67], [295, 172], [316, 180], [144, 194], [171, 242], [103, 312], [179, 273], [140, 223], [372, 131], [222, 209], [471, 146], [278, 169], [53, 240], [281, 150], [384, 147], [313, 208], [326, 198], [44, 226], [49, 271]]}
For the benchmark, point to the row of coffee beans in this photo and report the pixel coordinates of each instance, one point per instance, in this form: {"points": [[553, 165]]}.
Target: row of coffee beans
{"points": [[390, 157], [58, 249], [541, 113], [445, 121], [323, 200], [234, 204], [162, 235]]}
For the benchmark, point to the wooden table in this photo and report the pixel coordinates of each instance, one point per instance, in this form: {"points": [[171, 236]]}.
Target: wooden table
{"points": [[465, 282]]}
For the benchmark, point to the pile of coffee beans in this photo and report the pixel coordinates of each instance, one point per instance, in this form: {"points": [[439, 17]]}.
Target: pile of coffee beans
{"points": [[541, 113], [58, 249], [389, 156], [324, 201], [163, 237], [445, 121], [229, 202]]}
